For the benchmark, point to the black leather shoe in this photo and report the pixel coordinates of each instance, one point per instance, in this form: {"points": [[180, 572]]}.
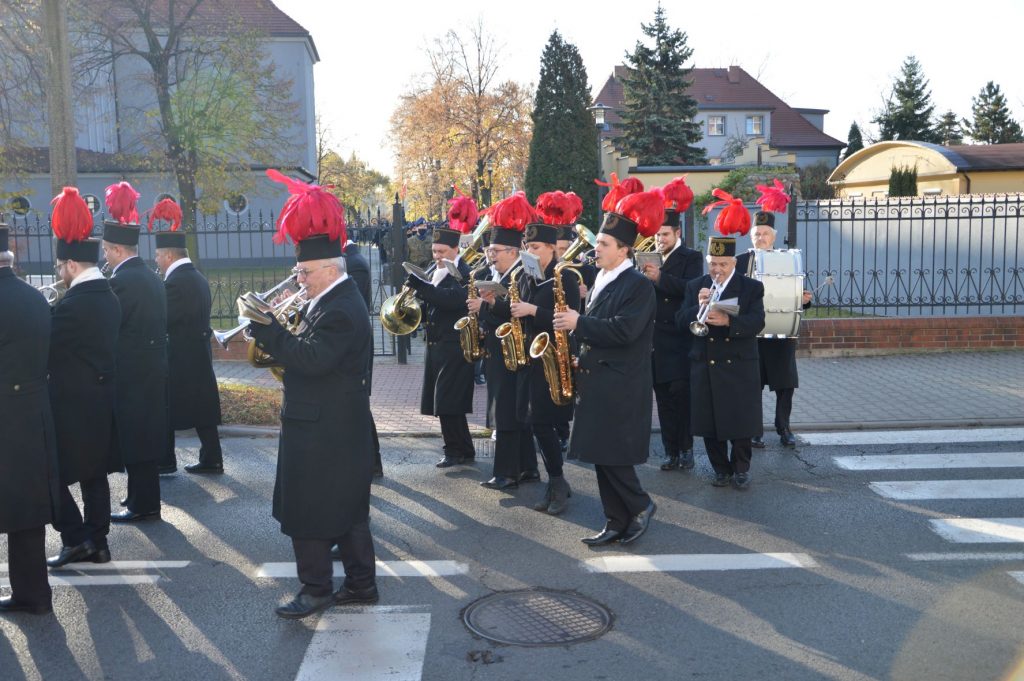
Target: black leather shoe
{"points": [[101, 555], [127, 516], [204, 468], [378, 472], [639, 524], [721, 480], [346, 596], [167, 470], [671, 463], [605, 536], [123, 502], [686, 461], [741, 480], [449, 461], [788, 439], [757, 442], [529, 476], [73, 554], [500, 483], [304, 605], [11, 605]]}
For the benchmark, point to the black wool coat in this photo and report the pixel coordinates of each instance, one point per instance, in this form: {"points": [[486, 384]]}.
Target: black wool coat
{"points": [[194, 396], [725, 388], [612, 423], [359, 269], [141, 402], [533, 402], [325, 452], [447, 376], [672, 345], [501, 383], [28, 455], [82, 366]]}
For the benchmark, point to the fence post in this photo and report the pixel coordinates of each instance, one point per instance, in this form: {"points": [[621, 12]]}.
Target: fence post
{"points": [[791, 225], [689, 227], [399, 254]]}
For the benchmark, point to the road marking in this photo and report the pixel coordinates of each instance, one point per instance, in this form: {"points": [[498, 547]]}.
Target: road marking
{"points": [[388, 568], [938, 557], [1019, 576], [372, 644], [694, 562], [898, 437], [120, 565], [980, 530], [951, 489], [901, 462], [95, 580]]}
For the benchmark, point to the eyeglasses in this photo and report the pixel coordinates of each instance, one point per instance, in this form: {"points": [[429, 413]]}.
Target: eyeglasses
{"points": [[303, 272], [494, 249]]}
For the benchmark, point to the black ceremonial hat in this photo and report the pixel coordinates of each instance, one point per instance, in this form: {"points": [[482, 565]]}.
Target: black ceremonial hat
{"points": [[317, 247]]}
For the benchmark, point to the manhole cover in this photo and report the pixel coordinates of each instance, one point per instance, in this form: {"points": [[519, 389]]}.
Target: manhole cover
{"points": [[536, 617]]}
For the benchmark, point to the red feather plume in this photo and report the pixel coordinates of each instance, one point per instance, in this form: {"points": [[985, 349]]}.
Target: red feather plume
{"points": [[646, 209], [678, 196], [71, 219], [619, 190], [309, 211], [559, 208], [515, 212], [121, 199], [773, 199], [168, 211], [463, 214], [734, 218]]}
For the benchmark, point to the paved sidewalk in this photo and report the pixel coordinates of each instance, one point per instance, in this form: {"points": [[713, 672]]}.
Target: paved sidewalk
{"points": [[949, 389]]}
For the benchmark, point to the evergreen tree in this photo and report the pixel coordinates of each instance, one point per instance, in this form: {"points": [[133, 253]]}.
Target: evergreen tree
{"points": [[948, 129], [854, 140], [658, 122], [992, 122], [907, 113], [563, 151]]}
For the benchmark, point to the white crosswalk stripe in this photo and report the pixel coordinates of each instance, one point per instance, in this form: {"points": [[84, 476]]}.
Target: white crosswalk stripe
{"points": [[980, 530], [695, 562], [65, 576], [950, 489], [386, 568], [903, 437], [905, 462]]}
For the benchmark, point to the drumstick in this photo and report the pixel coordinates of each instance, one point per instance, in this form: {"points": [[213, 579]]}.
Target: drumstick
{"points": [[828, 282]]}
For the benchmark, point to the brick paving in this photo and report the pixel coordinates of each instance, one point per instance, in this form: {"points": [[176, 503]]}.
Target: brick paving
{"points": [[849, 392]]}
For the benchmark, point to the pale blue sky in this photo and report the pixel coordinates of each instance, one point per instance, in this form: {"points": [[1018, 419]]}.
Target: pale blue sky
{"points": [[836, 56]]}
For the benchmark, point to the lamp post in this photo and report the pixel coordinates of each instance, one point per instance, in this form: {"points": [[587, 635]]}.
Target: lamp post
{"points": [[599, 110]]}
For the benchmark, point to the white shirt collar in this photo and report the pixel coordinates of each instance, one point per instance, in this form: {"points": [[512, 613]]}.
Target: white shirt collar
{"points": [[725, 284], [130, 257], [323, 293], [605, 277], [175, 265], [91, 274], [679, 242]]}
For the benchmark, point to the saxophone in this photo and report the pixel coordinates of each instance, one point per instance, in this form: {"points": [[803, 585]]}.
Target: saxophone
{"points": [[470, 337], [513, 344], [557, 360]]}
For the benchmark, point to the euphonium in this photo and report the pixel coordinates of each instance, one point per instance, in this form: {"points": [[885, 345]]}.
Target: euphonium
{"points": [[223, 337], [252, 307], [644, 244], [470, 336], [585, 240], [472, 253], [513, 343], [557, 360], [401, 314]]}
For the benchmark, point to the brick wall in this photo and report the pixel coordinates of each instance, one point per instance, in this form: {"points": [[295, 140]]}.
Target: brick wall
{"points": [[237, 349], [893, 336]]}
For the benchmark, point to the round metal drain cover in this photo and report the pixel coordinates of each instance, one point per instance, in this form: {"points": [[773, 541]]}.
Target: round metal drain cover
{"points": [[537, 617]]}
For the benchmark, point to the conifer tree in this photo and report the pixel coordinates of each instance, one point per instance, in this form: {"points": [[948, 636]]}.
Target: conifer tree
{"points": [[948, 129], [658, 121], [992, 122], [854, 140], [907, 113]]}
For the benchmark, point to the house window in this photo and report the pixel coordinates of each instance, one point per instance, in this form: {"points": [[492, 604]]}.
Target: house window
{"points": [[236, 204], [755, 125], [93, 202], [19, 205], [716, 126]]}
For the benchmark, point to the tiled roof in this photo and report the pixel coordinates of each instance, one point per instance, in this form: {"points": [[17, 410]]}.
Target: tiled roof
{"points": [[987, 156], [732, 88]]}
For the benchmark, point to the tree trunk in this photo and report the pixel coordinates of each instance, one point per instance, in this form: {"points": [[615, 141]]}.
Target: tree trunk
{"points": [[63, 164]]}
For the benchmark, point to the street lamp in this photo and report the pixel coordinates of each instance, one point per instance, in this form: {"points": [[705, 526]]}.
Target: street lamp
{"points": [[599, 110]]}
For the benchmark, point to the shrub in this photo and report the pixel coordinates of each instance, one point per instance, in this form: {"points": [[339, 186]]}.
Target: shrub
{"points": [[248, 405]]}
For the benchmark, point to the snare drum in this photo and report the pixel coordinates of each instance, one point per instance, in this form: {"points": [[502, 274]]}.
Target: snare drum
{"points": [[782, 274]]}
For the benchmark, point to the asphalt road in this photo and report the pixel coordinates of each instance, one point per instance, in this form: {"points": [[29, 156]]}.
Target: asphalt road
{"points": [[853, 570]]}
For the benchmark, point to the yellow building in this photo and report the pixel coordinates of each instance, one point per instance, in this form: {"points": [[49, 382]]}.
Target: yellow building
{"points": [[941, 170]]}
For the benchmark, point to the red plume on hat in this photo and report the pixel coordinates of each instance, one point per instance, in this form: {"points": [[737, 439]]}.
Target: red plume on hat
{"points": [[734, 218], [646, 209], [71, 219], [309, 211], [463, 214], [121, 199], [773, 199], [619, 190], [559, 208], [515, 212], [678, 196], [168, 211]]}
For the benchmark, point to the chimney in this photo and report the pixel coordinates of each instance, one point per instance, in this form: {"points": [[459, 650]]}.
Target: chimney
{"points": [[734, 74]]}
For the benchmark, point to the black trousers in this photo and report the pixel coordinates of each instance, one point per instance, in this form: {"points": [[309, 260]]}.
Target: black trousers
{"points": [[563, 430], [455, 432], [209, 448], [26, 566], [550, 448], [673, 400], [376, 445], [95, 525], [783, 408], [718, 454], [514, 453], [316, 569], [621, 495], [143, 487]]}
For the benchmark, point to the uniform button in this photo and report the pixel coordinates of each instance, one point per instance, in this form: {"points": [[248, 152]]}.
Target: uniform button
{"points": [[151, 342], [711, 340], [17, 388], [712, 362], [364, 381], [728, 361], [726, 340]]}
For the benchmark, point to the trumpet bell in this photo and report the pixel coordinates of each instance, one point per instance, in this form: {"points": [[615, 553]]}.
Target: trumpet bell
{"points": [[698, 329], [400, 317]]}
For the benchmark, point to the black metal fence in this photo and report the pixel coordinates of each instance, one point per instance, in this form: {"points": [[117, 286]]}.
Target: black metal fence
{"points": [[237, 254]]}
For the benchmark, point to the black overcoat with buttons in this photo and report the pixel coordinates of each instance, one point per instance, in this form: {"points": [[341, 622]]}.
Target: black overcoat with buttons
{"points": [[28, 455], [501, 383], [358, 268], [725, 387], [447, 376], [325, 452], [82, 366], [612, 422], [671, 345], [194, 396], [141, 382]]}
